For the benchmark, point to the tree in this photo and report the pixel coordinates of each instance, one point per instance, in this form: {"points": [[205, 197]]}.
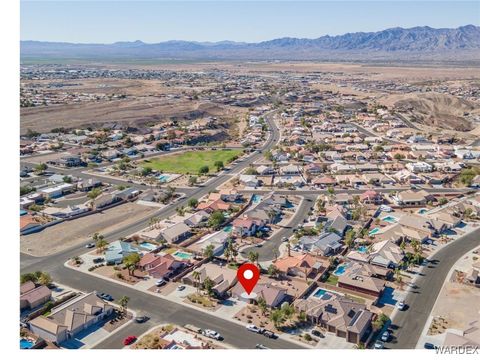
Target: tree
{"points": [[196, 278], [287, 310], [253, 257], [27, 277], [208, 285], [40, 168], [203, 170], [44, 279], [94, 193], [146, 171], [131, 261], [192, 180], [443, 201], [272, 271], [100, 242], [262, 305], [277, 317], [123, 302], [218, 165], [216, 219], [208, 252], [350, 237], [192, 203], [380, 321]]}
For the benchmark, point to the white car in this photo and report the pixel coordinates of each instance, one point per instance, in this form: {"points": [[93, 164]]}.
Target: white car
{"points": [[400, 305], [160, 282], [212, 334], [254, 329], [90, 245], [379, 344]]}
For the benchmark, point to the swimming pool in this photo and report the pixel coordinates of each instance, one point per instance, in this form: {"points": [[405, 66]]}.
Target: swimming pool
{"points": [[322, 294], [422, 211], [256, 199], [25, 343], [390, 219], [148, 246], [362, 249], [182, 255], [163, 178], [340, 270], [228, 228], [373, 231]]}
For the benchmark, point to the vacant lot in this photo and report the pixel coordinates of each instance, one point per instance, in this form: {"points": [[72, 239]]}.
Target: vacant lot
{"points": [[190, 162], [70, 233]]}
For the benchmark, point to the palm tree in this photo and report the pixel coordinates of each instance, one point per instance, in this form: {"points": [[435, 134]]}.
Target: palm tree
{"points": [[289, 248], [131, 261], [123, 302], [208, 252], [253, 257], [208, 285], [262, 304], [196, 278], [277, 317], [398, 278]]}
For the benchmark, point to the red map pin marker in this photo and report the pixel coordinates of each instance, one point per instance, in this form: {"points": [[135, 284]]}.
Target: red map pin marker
{"points": [[248, 275]]}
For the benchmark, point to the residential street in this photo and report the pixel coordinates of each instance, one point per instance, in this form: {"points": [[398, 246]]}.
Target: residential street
{"points": [[410, 323]]}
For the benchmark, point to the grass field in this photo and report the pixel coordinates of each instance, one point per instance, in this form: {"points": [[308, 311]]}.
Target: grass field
{"points": [[190, 162]]}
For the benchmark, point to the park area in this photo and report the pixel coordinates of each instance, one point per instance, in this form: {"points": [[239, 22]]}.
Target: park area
{"points": [[191, 162]]}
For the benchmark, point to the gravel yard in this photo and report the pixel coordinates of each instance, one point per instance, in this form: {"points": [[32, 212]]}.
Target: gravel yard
{"points": [[70, 233]]}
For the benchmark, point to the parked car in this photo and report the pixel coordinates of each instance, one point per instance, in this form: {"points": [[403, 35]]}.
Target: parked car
{"points": [[106, 297], [129, 340], [193, 328], [379, 345], [429, 346], [181, 287], [254, 328], [160, 282], [401, 305], [317, 333], [98, 260], [261, 346], [385, 336], [90, 245], [212, 334], [269, 334]]}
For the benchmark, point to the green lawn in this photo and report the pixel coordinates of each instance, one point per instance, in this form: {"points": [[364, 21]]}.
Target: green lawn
{"points": [[191, 161]]}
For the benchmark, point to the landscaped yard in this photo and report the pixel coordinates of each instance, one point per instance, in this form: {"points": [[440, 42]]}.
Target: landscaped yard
{"points": [[191, 161]]}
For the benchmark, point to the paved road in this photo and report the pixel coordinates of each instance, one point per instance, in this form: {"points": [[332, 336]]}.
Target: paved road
{"points": [[410, 323], [266, 252]]}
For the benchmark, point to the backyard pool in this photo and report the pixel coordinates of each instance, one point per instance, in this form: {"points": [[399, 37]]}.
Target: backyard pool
{"points": [[373, 231], [390, 219], [256, 199], [422, 211], [228, 228], [322, 294], [25, 343], [163, 178], [362, 249], [340, 270], [148, 246], [182, 255]]}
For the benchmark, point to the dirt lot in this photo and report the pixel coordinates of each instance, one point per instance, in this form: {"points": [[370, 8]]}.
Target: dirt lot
{"points": [[70, 233]]}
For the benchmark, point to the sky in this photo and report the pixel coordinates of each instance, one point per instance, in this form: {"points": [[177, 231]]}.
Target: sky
{"points": [[249, 21]]}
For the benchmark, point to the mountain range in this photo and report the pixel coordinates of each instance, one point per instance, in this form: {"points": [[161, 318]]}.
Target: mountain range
{"points": [[418, 43]]}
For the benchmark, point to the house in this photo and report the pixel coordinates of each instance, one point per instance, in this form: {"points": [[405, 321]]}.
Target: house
{"points": [[290, 170], [73, 316], [371, 197], [217, 239], [116, 251], [273, 295], [223, 277], [304, 265], [337, 314], [325, 244], [89, 184], [419, 167], [385, 254], [249, 180], [335, 221], [198, 219], [176, 233], [412, 198], [362, 283], [265, 170], [105, 200], [214, 205], [28, 225], [245, 227], [32, 296], [160, 266]]}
